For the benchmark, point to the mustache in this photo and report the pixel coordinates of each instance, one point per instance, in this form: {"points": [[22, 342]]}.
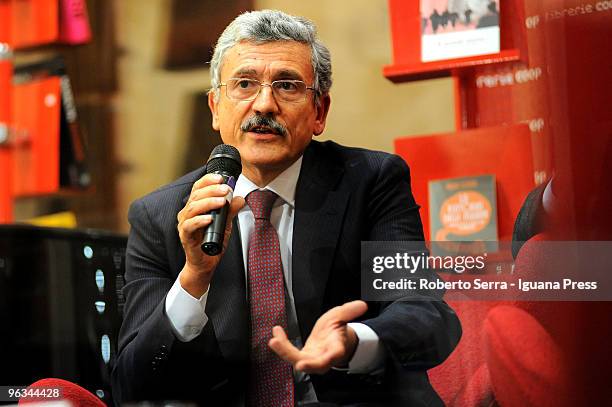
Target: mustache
{"points": [[263, 121]]}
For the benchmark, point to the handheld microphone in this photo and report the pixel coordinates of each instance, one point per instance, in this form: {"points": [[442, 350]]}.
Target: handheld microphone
{"points": [[225, 161]]}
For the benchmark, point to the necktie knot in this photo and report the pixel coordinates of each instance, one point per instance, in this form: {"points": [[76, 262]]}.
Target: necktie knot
{"points": [[261, 203]]}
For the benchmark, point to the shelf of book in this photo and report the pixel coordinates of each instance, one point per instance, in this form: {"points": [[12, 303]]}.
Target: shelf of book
{"points": [[407, 31], [441, 69], [41, 149]]}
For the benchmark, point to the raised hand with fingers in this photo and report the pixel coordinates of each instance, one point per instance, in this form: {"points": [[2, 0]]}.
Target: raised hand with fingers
{"points": [[331, 343]]}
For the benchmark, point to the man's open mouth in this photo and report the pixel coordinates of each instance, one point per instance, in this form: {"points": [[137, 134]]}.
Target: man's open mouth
{"points": [[263, 130]]}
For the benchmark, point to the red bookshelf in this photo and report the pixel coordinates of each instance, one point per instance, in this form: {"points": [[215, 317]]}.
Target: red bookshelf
{"points": [[406, 38]]}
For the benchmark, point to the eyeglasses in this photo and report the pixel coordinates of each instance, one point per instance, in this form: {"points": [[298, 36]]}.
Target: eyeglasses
{"points": [[284, 90]]}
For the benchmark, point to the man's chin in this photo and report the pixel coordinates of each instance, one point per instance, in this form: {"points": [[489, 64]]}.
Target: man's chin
{"points": [[266, 163], [267, 160]]}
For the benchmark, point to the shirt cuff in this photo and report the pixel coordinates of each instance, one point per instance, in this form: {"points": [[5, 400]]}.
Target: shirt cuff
{"points": [[185, 312], [369, 355]]}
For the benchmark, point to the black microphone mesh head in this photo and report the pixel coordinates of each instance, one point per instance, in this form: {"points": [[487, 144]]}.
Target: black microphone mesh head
{"points": [[225, 149], [224, 159]]}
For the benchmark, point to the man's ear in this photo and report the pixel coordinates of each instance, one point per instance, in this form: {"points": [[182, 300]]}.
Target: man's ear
{"points": [[214, 109], [322, 110]]}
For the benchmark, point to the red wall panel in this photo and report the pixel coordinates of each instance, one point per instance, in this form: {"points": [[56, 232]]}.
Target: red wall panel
{"points": [[503, 151]]}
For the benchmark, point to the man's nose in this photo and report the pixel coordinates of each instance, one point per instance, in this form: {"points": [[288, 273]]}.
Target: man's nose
{"points": [[265, 102]]}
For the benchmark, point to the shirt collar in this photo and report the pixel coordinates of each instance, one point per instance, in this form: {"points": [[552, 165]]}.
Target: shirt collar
{"points": [[283, 185]]}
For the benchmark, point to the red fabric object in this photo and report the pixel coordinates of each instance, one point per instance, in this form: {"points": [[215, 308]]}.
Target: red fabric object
{"points": [[537, 263], [75, 394], [546, 353], [581, 330], [526, 366], [456, 375], [477, 391]]}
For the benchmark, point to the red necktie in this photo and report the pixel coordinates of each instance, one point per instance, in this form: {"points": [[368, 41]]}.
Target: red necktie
{"points": [[271, 378]]}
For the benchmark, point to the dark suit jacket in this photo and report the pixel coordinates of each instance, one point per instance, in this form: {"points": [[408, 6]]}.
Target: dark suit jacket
{"points": [[343, 196], [530, 219]]}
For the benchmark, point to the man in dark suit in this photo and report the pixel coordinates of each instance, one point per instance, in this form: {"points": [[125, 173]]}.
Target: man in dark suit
{"points": [[267, 322]]}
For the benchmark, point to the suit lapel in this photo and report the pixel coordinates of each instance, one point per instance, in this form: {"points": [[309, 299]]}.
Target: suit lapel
{"points": [[226, 305], [319, 212]]}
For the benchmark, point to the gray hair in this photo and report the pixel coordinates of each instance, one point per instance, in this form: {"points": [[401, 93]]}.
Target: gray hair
{"points": [[268, 26]]}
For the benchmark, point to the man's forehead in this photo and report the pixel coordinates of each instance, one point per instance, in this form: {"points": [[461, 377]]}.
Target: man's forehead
{"points": [[284, 73], [290, 59]]}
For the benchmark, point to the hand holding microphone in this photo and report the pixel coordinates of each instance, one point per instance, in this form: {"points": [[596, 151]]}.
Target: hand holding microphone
{"points": [[205, 223]]}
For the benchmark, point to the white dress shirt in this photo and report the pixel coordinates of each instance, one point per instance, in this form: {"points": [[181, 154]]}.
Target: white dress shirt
{"points": [[187, 314]]}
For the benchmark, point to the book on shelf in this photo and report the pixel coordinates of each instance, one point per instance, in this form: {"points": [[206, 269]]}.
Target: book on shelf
{"points": [[458, 28], [73, 168], [74, 25], [463, 209]]}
